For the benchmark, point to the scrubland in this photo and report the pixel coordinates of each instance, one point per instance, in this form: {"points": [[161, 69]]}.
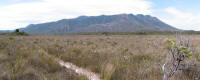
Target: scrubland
{"points": [[113, 57]]}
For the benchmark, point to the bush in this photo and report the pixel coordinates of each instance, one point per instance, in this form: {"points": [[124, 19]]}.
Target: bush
{"points": [[105, 33], [17, 32]]}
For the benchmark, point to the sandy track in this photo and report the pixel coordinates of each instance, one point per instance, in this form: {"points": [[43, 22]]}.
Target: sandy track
{"points": [[80, 71], [90, 75]]}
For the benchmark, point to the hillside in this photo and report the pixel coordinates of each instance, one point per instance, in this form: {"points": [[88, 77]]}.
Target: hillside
{"points": [[103, 23]]}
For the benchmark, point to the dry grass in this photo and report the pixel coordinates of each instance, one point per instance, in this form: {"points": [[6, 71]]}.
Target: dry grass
{"points": [[20, 59], [115, 57]]}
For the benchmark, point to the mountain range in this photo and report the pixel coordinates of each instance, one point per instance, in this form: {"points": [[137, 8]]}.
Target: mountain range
{"points": [[103, 23]]}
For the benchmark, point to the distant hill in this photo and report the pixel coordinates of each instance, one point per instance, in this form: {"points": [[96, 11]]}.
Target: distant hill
{"points": [[6, 31], [103, 23]]}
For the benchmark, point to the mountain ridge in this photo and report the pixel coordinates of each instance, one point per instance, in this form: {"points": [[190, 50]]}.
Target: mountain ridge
{"points": [[102, 23]]}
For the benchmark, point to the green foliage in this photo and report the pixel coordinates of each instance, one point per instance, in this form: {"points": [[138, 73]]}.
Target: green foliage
{"points": [[185, 51], [173, 42], [182, 49]]}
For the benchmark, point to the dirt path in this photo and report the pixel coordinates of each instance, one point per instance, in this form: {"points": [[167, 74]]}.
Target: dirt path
{"points": [[80, 71]]}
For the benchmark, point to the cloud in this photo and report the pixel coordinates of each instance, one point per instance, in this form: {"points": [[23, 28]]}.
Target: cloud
{"points": [[181, 19], [21, 14]]}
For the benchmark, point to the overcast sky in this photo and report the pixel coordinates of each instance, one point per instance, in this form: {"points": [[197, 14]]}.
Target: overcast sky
{"points": [[183, 14]]}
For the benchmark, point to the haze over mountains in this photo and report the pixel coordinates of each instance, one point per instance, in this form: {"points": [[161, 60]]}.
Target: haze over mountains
{"points": [[103, 23]]}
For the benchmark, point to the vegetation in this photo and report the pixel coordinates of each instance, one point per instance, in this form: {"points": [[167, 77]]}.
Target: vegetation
{"points": [[141, 33], [18, 32], [178, 51], [21, 59], [113, 57]]}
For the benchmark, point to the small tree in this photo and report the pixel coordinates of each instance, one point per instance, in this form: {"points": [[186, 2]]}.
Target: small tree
{"points": [[178, 51], [17, 30]]}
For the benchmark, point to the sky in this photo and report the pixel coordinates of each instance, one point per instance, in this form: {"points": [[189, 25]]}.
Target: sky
{"points": [[182, 14]]}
